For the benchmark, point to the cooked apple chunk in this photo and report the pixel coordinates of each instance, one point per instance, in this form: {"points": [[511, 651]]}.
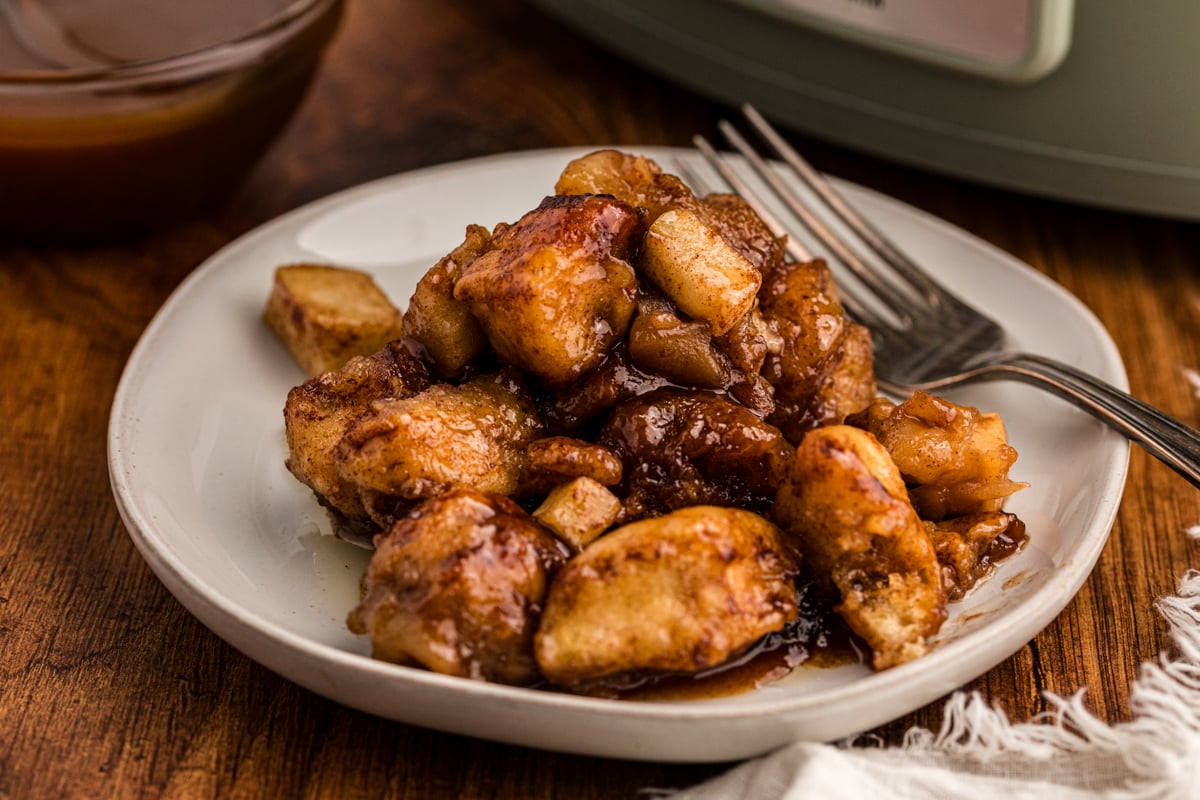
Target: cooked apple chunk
{"points": [[683, 351], [457, 586], [578, 511], [324, 315], [702, 274], [679, 593], [844, 505], [955, 458]]}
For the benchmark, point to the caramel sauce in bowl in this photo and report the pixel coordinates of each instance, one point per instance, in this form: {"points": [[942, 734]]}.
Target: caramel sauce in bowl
{"points": [[114, 120]]}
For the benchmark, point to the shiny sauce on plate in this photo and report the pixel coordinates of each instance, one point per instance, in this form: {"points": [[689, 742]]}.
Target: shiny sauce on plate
{"points": [[817, 638]]}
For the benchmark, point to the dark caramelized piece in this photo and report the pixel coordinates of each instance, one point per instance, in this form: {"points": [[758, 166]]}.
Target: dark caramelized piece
{"points": [[556, 460], [444, 325], [691, 448], [969, 547], [616, 380], [799, 301]]}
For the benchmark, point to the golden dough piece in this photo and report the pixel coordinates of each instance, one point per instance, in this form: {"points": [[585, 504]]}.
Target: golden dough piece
{"points": [[472, 435], [318, 412], [824, 368], [443, 325], [844, 505], [325, 315], [556, 290], [458, 586], [851, 385], [679, 593], [954, 458], [635, 180]]}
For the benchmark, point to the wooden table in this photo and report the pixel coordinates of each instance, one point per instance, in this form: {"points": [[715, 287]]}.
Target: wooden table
{"points": [[109, 688]]}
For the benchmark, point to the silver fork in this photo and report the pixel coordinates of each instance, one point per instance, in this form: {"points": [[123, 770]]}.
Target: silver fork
{"points": [[925, 337]]}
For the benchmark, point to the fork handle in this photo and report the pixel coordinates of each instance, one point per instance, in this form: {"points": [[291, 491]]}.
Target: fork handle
{"points": [[1163, 436]]}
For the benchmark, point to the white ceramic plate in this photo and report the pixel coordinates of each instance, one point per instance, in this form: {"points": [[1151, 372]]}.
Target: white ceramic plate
{"points": [[196, 462]]}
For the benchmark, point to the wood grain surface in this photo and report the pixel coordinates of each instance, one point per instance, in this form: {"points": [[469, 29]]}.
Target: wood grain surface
{"points": [[108, 688]]}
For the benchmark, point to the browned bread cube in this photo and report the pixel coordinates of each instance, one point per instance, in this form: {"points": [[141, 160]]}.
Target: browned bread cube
{"points": [[325, 315]]}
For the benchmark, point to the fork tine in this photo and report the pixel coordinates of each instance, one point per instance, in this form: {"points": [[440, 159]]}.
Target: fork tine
{"points": [[883, 291], [794, 247], [701, 186], [916, 278]]}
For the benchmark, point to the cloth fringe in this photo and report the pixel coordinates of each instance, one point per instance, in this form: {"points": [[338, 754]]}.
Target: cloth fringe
{"points": [[1066, 752]]}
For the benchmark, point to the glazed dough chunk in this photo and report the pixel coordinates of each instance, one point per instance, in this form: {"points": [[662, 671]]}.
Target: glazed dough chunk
{"points": [[824, 369], [954, 458], [472, 435], [845, 506], [443, 325], [457, 586], [318, 412], [635, 180], [556, 290], [679, 593]]}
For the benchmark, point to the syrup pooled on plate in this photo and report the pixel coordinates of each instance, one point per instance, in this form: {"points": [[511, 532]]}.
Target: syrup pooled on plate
{"points": [[816, 638]]}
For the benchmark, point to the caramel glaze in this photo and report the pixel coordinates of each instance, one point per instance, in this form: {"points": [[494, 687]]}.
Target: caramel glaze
{"points": [[1007, 543], [816, 638]]}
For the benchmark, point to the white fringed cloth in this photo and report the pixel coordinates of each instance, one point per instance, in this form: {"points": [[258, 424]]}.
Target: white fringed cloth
{"points": [[1064, 754]]}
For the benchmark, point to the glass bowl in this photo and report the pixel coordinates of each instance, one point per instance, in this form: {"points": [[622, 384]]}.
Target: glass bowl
{"points": [[105, 149]]}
